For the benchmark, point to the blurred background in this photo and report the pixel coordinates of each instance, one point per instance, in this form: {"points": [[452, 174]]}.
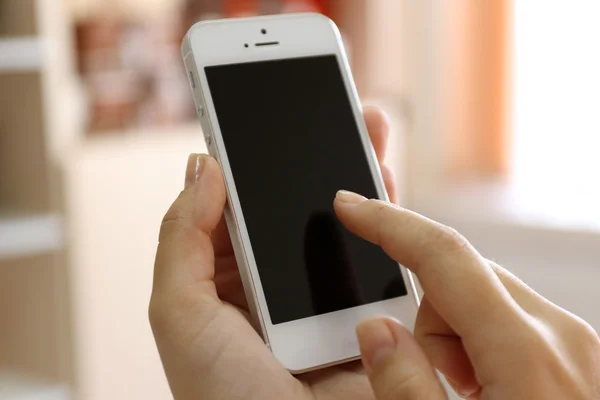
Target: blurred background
{"points": [[496, 131]]}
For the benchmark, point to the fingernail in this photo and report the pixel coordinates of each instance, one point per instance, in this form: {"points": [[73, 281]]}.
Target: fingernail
{"points": [[349, 197], [193, 170], [199, 166], [377, 341], [458, 390]]}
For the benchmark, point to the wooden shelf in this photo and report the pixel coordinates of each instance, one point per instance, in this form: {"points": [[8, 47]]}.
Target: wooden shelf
{"points": [[20, 54], [15, 387], [22, 236], [34, 292], [25, 168], [18, 17]]}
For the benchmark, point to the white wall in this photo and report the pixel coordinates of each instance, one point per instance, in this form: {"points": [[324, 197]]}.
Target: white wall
{"points": [[118, 190]]}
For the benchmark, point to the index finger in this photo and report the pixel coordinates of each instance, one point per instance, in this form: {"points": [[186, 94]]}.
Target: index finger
{"points": [[458, 281]]}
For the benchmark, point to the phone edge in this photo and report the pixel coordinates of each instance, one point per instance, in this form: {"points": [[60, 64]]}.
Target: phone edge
{"points": [[256, 317]]}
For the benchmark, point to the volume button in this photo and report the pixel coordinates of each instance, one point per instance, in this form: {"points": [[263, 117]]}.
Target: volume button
{"points": [[200, 111], [206, 132]]}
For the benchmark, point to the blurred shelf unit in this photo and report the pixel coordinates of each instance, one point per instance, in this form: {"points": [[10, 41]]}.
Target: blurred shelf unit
{"points": [[33, 276], [30, 235], [14, 387], [18, 18], [22, 54]]}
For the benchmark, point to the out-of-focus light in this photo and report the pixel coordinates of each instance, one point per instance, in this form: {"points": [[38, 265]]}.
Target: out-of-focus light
{"points": [[557, 125]]}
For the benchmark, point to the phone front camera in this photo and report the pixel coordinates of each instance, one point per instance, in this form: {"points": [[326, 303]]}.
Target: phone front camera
{"points": [[263, 31]]}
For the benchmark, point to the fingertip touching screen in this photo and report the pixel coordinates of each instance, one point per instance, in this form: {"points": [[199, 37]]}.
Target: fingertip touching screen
{"points": [[292, 142]]}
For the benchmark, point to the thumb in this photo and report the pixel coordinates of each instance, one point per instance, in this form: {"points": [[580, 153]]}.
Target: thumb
{"points": [[184, 266], [396, 365]]}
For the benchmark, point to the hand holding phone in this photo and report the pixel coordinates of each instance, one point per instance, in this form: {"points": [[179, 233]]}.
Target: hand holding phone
{"points": [[199, 312], [484, 329], [281, 116]]}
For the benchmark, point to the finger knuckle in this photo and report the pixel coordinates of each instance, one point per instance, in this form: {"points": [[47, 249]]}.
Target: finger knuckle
{"points": [[449, 239], [388, 173], [176, 211], [381, 210], [384, 213], [173, 218], [587, 333], [156, 315], [585, 338], [169, 306]]}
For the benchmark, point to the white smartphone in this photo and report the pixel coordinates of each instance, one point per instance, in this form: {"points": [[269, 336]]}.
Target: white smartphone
{"points": [[281, 115]]}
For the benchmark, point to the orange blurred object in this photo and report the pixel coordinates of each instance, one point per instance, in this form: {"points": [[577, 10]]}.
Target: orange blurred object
{"points": [[240, 8], [292, 6]]}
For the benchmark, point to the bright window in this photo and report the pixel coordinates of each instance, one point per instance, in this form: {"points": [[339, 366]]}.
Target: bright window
{"points": [[556, 133]]}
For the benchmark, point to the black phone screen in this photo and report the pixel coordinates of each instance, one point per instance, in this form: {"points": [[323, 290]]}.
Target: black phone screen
{"points": [[292, 141]]}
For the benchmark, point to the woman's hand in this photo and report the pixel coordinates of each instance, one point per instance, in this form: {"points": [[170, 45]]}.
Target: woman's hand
{"points": [[491, 335], [198, 309]]}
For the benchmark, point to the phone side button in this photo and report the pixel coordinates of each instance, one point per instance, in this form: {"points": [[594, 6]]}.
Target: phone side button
{"points": [[208, 139], [200, 111]]}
